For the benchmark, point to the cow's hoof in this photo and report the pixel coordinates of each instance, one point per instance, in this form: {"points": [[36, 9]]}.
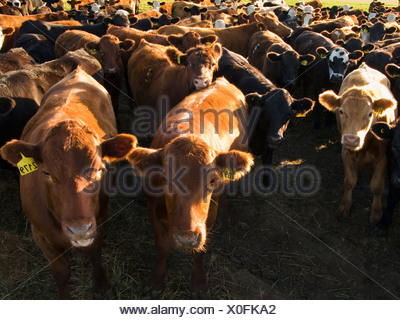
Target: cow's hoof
{"points": [[344, 209], [201, 295]]}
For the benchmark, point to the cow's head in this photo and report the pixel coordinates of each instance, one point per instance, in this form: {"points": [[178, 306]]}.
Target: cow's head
{"points": [[276, 109], [338, 60], [190, 172], [5, 31], [391, 133], [71, 162], [108, 52], [195, 10], [190, 40], [200, 63], [290, 62], [272, 23], [357, 110]]}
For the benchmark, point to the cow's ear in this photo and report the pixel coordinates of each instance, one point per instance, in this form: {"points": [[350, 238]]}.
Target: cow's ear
{"points": [[217, 49], [209, 40], [391, 30], [186, 9], [368, 48], [322, 52], [8, 31], [326, 33], [154, 19], [274, 57], [6, 105], [145, 158], [339, 42], [393, 70], [237, 163], [150, 3], [261, 26], [176, 56], [118, 147], [383, 130], [383, 104], [92, 47], [127, 44], [176, 41], [356, 55], [306, 59], [356, 29], [302, 106], [203, 10], [175, 20], [329, 100], [162, 3], [253, 99], [133, 20], [12, 150]]}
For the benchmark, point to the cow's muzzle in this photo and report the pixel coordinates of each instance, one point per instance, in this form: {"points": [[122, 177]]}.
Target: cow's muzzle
{"points": [[200, 83], [351, 141], [187, 240], [80, 236], [336, 78], [274, 141]]}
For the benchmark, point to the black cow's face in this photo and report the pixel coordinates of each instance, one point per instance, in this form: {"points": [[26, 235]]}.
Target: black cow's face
{"points": [[338, 61], [277, 108]]}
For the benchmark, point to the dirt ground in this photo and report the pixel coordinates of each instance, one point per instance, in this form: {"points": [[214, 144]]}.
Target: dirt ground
{"points": [[263, 246]]}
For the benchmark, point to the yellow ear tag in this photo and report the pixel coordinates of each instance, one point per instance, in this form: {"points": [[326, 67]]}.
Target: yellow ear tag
{"points": [[228, 174], [71, 18], [93, 51], [109, 24], [365, 30], [382, 131], [379, 110], [301, 115], [208, 44], [178, 58], [304, 62], [366, 51], [26, 165], [261, 28], [397, 75], [323, 56]]}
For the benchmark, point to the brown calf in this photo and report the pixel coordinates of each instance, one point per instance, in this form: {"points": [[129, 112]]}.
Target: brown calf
{"points": [[191, 149], [156, 71], [15, 59], [364, 98], [70, 139], [107, 50]]}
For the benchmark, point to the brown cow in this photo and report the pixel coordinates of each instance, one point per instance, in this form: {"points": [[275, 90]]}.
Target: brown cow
{"points": [[70, 139], [234, 38], [107, 50], [364, 98], [15, 59], [33, 81], [192, 148], [156, 71], [4, 32]]}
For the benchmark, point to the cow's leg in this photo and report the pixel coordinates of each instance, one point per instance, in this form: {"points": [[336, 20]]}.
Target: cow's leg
{"points": [[377, 186], [101, 285], [393, 200], [266, 160], [350, 180], [59, 264], [162, 242], [199, 276]]}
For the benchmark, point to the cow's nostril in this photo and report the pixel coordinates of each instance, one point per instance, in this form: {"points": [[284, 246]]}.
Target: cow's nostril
{"points": [[79, 230]]}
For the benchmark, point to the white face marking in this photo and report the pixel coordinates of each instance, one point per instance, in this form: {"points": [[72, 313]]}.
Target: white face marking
{"points": [[122, 12], [308, 9], [365, 36], [391, 17], [340, 54], [307, 19], [250, 9], [16, 3], [371, 16], [219, 24], [346, 7], [156, 5], [292, 12]]}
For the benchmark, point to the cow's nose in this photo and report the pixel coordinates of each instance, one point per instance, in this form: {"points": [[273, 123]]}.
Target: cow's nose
{"points": [[336, 77], [80, 231], [274, 141], [112, 70], [201, 83], [189, 240], [351, 141]]}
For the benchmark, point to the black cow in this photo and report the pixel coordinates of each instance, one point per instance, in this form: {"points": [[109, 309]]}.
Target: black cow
{"points": [[384, 131], [195, 10], [276, 59], [328, 69], [51, 30], [376, 32], [380, 58], [37, 46], [270, 108]]}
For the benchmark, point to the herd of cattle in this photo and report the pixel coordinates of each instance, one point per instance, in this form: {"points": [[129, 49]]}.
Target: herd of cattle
{"points": [[227, 74]]}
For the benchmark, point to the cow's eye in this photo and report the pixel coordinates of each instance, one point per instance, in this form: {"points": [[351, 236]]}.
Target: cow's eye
{"points": [[212, 182], [46, 173], [370, 114], [188, 63], [341, 111]]}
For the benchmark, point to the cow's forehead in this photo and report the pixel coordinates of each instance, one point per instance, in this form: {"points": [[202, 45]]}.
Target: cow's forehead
{"points": [[339, 54]]}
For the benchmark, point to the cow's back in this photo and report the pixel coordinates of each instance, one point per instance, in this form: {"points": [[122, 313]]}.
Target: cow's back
{"points": [[79, 97]]}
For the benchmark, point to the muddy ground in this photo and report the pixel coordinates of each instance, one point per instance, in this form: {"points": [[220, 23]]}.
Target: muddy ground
{"points": [[274, 246]]}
